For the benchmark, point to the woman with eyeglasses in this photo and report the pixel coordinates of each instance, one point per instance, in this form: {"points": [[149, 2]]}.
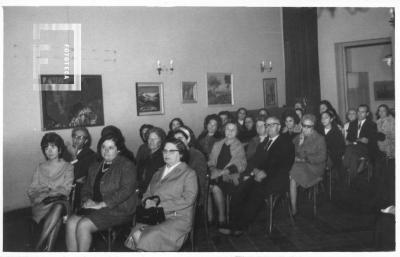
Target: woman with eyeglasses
{"points": [[310, 159], [176, 185]]}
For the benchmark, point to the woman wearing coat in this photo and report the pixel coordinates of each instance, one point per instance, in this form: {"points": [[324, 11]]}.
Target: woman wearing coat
{"points": [[176, 185], [108, 195], [310, 159], [227, 161]]}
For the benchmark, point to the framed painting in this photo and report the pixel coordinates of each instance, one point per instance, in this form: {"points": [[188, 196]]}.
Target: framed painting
{"points": [[384, 90], [149, 98], [219, 88], [270, 92], [189, 92], [68, 109]]}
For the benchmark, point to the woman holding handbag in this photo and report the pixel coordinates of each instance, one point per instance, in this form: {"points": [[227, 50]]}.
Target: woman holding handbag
{"points": [[175, 184], [227, 160]]}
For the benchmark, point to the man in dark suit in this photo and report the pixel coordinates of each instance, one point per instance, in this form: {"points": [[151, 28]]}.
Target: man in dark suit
{"points": [[361, 141], [82, 158], [268, 173]]}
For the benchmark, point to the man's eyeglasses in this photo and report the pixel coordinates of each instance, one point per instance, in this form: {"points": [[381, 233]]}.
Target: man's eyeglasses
{"points": [[307, 126], [78, 137], [165, 151], [271, 124]]}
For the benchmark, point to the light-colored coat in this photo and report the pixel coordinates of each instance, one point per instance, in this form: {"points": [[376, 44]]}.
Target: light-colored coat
{"points": [[177, 192]]}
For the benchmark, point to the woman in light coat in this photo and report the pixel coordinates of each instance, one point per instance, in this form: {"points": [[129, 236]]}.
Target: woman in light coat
{"points": [[176, 185]]}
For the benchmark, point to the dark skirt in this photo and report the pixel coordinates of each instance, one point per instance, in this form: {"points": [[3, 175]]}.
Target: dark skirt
{"points": [[104, 218]]}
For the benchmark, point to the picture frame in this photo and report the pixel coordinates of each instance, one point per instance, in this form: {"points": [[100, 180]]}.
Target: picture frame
{"points": [[384, 90], [149, 98], [219, 88], [64, 109], [189, 92], [270, 92]]}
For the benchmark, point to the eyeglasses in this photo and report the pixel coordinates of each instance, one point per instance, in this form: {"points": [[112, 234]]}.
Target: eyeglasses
{"points": [[271, 124], [307, 126], [78, 137], [166, 151]]}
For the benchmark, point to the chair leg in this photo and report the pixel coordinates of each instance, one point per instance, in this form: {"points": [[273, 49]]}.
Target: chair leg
{"points": [[109, 239], [289, 208], [192, 239], [227, 203], [315, 192], [270, 212], [330, 184]]}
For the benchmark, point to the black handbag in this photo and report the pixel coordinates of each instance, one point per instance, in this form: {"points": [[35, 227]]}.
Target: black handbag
{"points": [[51, 199], [152, 215]]}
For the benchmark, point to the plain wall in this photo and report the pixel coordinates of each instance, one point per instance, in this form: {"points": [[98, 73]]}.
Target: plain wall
{"points": [[345, 25], [199, 40]]}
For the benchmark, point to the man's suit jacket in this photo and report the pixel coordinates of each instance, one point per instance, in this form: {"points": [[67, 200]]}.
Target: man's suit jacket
{"points": [[85, 158], [368, 130], [276, 162]]}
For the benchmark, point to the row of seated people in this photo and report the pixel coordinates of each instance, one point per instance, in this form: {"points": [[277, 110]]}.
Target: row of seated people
{"points": [[251, 167]]}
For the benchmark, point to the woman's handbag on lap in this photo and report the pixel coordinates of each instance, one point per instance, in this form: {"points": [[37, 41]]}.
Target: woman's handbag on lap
{"points": [[150, 216]]}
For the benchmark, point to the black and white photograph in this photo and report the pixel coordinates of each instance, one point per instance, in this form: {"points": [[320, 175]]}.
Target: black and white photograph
{"points": [[215, 128]]}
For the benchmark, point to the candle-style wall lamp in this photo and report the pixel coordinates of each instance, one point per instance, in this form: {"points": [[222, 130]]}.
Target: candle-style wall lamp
{"points": [[161, 67], [265, 67]]}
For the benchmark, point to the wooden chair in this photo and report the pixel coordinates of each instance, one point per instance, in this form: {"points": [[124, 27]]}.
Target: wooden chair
{"points": [[271, 202], [368, 167]]}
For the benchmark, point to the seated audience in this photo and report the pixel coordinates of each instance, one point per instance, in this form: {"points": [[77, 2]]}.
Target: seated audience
{"points": [[108, 195], [210, 134], [351, 115], [248, 132], [361, 140], [292, 127], [334, 143], [310, 159], [153, 161], [173, 125], [124, 150], [82, 158], [255, 141], [196, 159], [269, 173], [386, 129], [51, 179], [227, 160], [176, 185]]}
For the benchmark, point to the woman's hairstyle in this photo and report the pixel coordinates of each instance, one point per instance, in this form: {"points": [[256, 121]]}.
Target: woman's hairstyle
{"points": [[183, 151], [172, 121], [263, 109], [159, 132], [212, 117], [228, 114], [252, 118], [330, 108], [241, 109], [117, 139], [143, 127], [187, 133], [52, 138], [310, 117], [291, 113], [332, 116], [386, 108], [111, 129], [86, 131], [347, 113]]}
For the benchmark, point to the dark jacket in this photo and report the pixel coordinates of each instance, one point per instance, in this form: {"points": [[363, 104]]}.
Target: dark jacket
{"points": [[85, 158], [147, 167], [368, 130], [117, 186], [335, 144]]}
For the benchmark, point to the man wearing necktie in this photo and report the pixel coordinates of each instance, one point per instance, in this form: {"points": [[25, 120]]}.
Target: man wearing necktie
{"points": [[360, 140], [267, 173]]}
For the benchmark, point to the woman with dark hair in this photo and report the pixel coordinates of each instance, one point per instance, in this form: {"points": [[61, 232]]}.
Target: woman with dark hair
{"points": [[299, 112], [249, 130], [310, 159], [143, 132], [334, 143], [227, 160], [147, 166], [108, 195], [143, 151], [174, 124], [241, 113], [176, 186], [124, 150], [386, 131], [324, 106], [210, 134], [196, 161], [292, 127], [52, 180], [263, 112]]}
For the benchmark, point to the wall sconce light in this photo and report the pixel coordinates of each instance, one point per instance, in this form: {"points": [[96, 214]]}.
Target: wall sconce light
{"points": [[164, 68], [264, 67], [388, 60]]}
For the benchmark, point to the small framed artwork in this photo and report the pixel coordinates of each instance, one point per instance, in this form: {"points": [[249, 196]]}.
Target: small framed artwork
{"points": [[189, 92], [384, 90], [270, 92], [63, 109], [149, 98], [219, 88]]}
